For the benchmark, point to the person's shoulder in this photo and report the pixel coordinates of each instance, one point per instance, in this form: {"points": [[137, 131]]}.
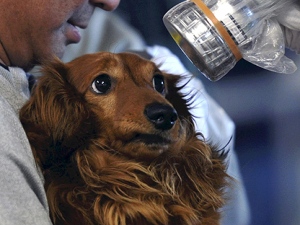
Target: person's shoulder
{"points": [[9, 118], [6, 109]]}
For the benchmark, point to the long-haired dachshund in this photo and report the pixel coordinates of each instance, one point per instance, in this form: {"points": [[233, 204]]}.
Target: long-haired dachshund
{"points": [[116, 144]]}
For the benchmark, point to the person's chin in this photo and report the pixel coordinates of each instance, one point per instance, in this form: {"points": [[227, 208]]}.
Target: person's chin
{"points": [[57, 50]]}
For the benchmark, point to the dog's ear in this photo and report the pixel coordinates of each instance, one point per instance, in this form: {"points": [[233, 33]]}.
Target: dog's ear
{"points": [[56, 119], [180, 102]]}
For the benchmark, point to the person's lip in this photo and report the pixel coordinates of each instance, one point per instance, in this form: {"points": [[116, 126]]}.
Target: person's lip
{"points": [[73, 34], [75, 23]]}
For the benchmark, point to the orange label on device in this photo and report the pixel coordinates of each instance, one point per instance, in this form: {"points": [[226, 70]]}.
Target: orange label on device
{"points": [[221, 29]]}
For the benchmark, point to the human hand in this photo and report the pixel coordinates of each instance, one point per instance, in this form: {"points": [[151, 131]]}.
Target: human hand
{"points": [[289, 20]]}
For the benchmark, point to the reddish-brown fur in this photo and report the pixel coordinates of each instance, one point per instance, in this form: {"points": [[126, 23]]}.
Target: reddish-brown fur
{"points": [[105, 162]]}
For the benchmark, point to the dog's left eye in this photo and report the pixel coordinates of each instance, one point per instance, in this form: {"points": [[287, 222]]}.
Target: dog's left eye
{"points": [[101, 84], [159, 83]]}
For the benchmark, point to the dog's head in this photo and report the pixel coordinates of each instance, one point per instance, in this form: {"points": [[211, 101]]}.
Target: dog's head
{"points": [[120, 102]]}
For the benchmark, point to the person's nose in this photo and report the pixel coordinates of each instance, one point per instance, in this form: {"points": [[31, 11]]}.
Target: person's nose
{"points": [[107, 5]]}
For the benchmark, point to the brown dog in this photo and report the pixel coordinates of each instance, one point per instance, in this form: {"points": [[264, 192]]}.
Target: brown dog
{"points": [[117, 145]]}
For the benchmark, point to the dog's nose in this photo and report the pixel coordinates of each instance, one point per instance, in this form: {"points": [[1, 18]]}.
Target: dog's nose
{"points": [[162, 116]]}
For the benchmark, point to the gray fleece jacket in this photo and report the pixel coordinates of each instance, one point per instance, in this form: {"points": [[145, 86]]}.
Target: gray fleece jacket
{"points": [[22, 197]]}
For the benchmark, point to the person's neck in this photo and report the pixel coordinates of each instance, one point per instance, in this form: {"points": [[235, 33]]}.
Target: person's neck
{"points": [[2, 64], [3, 56], [1, 61]]}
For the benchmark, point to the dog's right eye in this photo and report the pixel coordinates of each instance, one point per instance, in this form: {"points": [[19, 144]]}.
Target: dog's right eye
{"points": [[159, 83], [101, 84]]}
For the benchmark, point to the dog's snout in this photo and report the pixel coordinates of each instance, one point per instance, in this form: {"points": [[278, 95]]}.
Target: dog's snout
{"points": [[162, 116]]}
